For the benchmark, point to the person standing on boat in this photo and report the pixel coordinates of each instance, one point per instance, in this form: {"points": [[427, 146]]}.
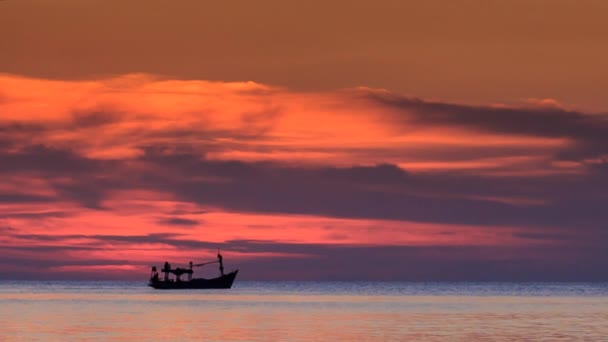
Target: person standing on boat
{"points": [[167, 269], [219, 259]]}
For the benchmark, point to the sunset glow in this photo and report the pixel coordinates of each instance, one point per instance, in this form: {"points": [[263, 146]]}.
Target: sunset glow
{"points": [[111, 165]]}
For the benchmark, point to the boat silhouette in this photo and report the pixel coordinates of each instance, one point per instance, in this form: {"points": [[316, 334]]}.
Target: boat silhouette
{"points": [[224, 281]]}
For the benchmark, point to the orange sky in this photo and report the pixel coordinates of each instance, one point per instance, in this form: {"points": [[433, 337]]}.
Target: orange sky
{"points": [[393, 140], [465, 51]]}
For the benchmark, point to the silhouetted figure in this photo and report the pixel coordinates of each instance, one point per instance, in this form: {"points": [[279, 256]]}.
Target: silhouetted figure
{"points": [[219, 259], [190, 274], [166, 270]]}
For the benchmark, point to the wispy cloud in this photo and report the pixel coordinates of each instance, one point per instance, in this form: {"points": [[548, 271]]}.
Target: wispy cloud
{"points": [[107, 167]]}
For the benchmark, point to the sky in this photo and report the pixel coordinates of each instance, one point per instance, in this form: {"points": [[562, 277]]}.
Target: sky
{"points": [[307, 140]]}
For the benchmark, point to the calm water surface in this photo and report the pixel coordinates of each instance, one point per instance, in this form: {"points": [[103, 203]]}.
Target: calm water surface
{"points": [[304, 311]]}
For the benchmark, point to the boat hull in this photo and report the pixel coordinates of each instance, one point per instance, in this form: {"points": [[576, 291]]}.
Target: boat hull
{"points": [[223, 282]]}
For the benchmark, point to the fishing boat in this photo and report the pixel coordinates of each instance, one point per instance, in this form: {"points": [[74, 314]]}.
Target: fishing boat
{"points": [[224, 281]]}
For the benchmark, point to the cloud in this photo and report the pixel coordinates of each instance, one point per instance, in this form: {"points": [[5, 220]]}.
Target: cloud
{"points": [[588, 130], [95, 119], [38, 215], [541, 120], [178, 221], [50, 160], [342, 262], [277, 171], [350, 192], [15, 198]]}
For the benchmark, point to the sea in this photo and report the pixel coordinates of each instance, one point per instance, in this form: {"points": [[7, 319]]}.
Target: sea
{"points": [[304, 311]]}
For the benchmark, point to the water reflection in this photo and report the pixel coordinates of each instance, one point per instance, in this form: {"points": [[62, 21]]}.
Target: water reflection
{"points": [[131, 313]]}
